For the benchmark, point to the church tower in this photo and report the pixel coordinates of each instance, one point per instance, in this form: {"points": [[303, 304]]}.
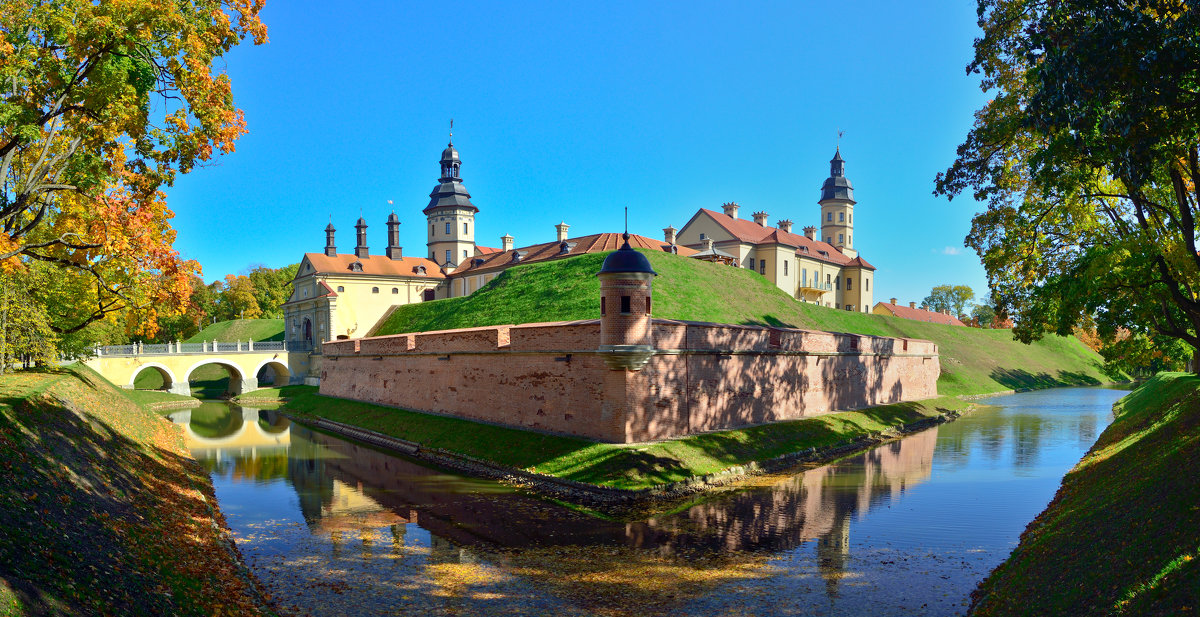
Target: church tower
{"points": [[450, 214], [837, 207]]}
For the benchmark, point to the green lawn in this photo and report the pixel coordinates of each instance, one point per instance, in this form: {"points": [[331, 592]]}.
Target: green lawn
{"points": [[1122, 536], [973, 361], [241, 330], [617, 465]]}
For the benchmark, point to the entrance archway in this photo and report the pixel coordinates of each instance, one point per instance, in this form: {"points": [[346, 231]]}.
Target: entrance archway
{"points": [[215, 378], [272, 373], [307, 330], [152, 376]]}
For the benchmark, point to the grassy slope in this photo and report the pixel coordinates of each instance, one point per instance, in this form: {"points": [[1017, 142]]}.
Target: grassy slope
{"points": [[973, 361], [615, 465], [1123, 534], [241, 330], [101, 508]]}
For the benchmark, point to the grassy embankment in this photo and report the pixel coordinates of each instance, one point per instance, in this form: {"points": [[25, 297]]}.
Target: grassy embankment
{"points": [[1122, 536], [241, 330], [973, 362], [102, 511]]}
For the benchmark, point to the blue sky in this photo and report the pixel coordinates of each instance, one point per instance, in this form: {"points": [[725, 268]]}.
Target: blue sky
{"points": [[572, 111]]}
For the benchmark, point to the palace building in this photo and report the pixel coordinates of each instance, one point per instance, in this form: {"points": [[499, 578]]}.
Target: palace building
{"points": [[343, 295], [348, 295], [824, 269]]}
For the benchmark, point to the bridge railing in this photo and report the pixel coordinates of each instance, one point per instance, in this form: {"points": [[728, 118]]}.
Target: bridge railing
{"points": [[205, 347]]}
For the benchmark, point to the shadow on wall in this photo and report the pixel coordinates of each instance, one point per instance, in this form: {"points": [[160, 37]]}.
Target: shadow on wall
{"points": [[74, 509], [1018, 379]]}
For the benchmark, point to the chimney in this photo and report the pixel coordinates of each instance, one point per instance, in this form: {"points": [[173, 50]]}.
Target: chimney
{"points": [[785, 225], [669, 234], [810, 232], [708, 244], [394, 251], [506, 242], [892, 301], [760, 218], [731, 209], [330, 249], [912, 305], [360, 251], [562, 228]]}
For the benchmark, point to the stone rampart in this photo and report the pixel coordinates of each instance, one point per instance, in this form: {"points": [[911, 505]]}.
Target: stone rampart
{"points": [[702, 377]]}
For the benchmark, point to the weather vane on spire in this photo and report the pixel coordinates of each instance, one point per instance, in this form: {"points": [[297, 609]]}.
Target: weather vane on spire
{"points": [[451, 130], [839, 144], [625, 235]]}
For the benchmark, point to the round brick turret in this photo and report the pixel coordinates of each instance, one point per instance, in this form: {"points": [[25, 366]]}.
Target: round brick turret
{"points": [[626, 337]]}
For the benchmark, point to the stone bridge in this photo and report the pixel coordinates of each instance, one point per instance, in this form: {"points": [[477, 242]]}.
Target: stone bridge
{"points": [[286, 363]]}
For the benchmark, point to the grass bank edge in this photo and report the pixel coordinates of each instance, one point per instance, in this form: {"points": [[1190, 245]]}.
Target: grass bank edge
{"points": [[1122, 535], [624, 466], [95, 479]]}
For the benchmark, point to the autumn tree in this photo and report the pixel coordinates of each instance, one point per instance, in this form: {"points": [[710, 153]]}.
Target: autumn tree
{"points": [[25, 334], [101, 105], [237, 299], [1087, 158]]}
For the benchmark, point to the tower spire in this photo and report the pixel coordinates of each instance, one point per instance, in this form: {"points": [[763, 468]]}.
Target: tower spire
{"points": [[451, 131]]}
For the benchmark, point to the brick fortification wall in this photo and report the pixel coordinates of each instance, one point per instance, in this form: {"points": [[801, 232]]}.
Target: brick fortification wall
{"points": [[703, 377]]}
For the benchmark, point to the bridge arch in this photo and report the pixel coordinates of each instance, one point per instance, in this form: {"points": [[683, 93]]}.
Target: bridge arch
{"points": [[237, 379], [168, 377], [278, 369]]}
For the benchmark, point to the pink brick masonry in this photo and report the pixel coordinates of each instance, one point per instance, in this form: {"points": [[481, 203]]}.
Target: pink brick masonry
{"points": [[703, 377]]}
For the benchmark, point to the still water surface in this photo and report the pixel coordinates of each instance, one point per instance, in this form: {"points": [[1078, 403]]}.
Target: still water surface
{"points": [[909, 528]]}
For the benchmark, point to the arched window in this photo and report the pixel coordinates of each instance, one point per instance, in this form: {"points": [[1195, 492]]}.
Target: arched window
{"points": [[374, 290], [341, 288], [395, 290]]}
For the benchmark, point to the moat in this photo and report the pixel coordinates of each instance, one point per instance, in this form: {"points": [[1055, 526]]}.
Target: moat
{"points": [[908, 528]]}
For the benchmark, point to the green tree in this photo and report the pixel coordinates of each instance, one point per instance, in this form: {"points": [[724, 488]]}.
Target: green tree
{"points": [[25, 334], [1087, 157], [983, 315], [272, 286], [952, 298], [237, 299], [101, 105]]}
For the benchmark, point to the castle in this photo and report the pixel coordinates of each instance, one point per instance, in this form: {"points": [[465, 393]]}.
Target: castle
{"points": [[347, 295]]}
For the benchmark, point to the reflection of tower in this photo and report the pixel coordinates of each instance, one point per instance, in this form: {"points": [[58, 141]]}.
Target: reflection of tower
{"points": [[308, 475], [833, 553]]}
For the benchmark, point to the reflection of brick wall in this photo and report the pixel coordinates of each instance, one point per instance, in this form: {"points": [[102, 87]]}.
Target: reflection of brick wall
{"points": [[704, 377]]}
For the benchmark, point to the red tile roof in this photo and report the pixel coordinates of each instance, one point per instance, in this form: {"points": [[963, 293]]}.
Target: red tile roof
{"points": [[753, 233], [917, 314], [486, 250], [373, 264], [595, 243]]}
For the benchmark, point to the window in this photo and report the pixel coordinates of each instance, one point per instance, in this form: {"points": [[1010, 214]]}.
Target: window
{"points": [[867, 283], [465, 228], [837, 306], [602, 303], [828, 285], [841, 238], [762, 266], [850, 240], [837, 282], [852, 342], [647, 305], [751, 266], [341, 288], [849, 283], [804, 277], [828, 240], [841, 217], [374, 290], [464, 253], [395, 290], [432, 230], [785, 267], [625, 304], [447, 229], [829, 216], [447, 256], [851, 218], [702, 236]]}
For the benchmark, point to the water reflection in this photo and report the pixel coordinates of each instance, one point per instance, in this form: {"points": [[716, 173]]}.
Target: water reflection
{"points": [[332, 525]]}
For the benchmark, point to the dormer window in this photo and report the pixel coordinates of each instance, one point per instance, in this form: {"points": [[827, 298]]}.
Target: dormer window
{"points": [[516, 256], [563, 248], [420, 270], [356, 266]]}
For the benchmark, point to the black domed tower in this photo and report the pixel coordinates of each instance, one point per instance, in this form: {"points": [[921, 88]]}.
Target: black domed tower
{"points": [[837, 207], [450, 214], [626, 334]]}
